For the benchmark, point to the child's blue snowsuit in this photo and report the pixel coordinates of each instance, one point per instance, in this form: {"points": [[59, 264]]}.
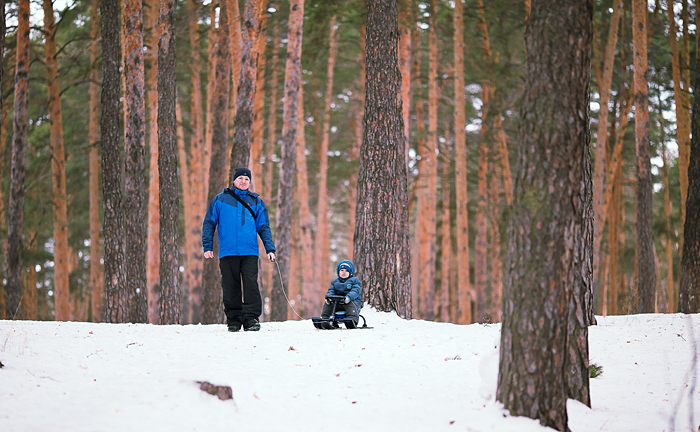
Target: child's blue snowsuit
{"points": [[350, 288]]}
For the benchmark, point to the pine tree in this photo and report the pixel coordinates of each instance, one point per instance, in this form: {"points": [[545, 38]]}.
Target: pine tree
{"points": [[382, 248], [3, 131], [548, 241], [13, 266]]}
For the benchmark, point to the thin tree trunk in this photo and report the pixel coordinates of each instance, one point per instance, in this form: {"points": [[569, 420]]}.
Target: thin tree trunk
{"points": [[419, 184], [235, 40], [357, 118], [689, 289], [256, 149], [544, 290], [322, 247], [198, 183], [188, 208], [605, 81], [647, 276], [116, 301], [442, 310], [3, 227], [285, 190], [613, 242], [495, 196], [463, 315], [167, 167], [685, 98], [153, 232], [254, 27], [136, 232], [211, 302], [211, 97], [96, 286], [29, 307], [294, 287], [405, 46], [58, 171], [382, 210], [670, 286], [309, 289], [682, 116]]}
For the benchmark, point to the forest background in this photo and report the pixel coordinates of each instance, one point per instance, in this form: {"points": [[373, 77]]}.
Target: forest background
{"points": [[325, 190]]}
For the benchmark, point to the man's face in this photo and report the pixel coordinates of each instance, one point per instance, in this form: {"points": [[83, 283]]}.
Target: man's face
{"points": [[343, 273], [242, 183]]}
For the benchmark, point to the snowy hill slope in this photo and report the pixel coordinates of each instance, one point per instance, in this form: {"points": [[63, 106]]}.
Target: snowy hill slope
{"points": [[406, 375]]}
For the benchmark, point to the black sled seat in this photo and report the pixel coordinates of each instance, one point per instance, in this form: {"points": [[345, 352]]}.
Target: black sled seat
{"points": [[337, 317]]}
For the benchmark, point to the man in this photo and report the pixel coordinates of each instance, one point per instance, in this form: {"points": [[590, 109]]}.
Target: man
{"points": [[241, 216]]}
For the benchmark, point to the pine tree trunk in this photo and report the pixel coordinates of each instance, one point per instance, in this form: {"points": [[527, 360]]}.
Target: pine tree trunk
{"points": [[405, 26], [682, 116], [243, 123], [322, 246], [670, 286], [167, 167], [689, 289], [357, 114], [256, 150], [58, 171], [549, 242], [647, 276], [495, 196], [311, 295], [419, 185], [115, 300], [382, 246], [198, 183], [212, 50], [613, 242], [294, 288], [212, 311], [153, 231], [236, 42], [463, 313], [136, 232], [285, 190], [605, 82], [685, 99], [442, 310], [29, 306], [96, 286], [186, 303], [3, 132], [13, 266]]}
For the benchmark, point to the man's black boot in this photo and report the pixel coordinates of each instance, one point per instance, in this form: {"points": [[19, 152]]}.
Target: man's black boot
{"points": [[234, 327], [252, 325]]}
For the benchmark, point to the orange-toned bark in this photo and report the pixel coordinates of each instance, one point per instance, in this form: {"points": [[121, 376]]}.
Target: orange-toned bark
{"points": [[211, 96], [670, 288], [442, 307], [322, 248], [94, 138], [3, 225], [256, 149], [416, 197], [236, 48], [310, 292], [685, 82], [188, 208], [294, 286], [58, 170], [682, 114], [29, 305], [605, 82], [461, 314], [357, 119], [153, 241], [610, 301]]}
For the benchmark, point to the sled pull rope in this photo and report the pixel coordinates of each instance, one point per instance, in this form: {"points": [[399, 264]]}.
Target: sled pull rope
{"points": [[285, 294]]}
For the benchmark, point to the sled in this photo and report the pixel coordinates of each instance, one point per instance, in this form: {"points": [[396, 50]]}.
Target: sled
{"points": [[337, 318]]}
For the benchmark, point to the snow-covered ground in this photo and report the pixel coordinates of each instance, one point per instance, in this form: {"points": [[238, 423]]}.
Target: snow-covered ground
{"points": [[403, 375]]}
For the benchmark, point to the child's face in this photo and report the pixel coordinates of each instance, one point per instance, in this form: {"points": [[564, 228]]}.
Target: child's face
{"points": [[343, 273]]}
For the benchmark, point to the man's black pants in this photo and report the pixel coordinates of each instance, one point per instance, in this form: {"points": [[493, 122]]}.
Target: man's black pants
{"points": [[240, 305]]}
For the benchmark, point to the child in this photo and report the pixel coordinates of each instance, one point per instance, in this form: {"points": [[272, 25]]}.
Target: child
{"points": [[345, 285]]}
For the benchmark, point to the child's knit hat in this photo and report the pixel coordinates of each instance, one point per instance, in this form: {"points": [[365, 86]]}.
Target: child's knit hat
{"points": [[347, 265]]}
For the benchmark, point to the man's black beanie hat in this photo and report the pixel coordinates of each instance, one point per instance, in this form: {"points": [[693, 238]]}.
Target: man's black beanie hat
{"points": [[241, 171]]}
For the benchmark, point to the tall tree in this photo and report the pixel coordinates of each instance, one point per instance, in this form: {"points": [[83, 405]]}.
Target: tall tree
{"points": [[546, 246], [136, 232], [115, 300], [94, 137], [464, 298], [322, 246], [13, 266], [212, 50], [645, 244], [167, 167], [211, 304], [670, 286], [258, 131], [285, 190], [442, 305], [253, 28], [358, 113], [382, 248], [3, 131], [309, 289], [689, 290], [58, 169], [153, 232]]}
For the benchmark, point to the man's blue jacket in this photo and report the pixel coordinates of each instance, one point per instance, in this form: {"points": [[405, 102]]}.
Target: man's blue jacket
{"points": [[238, 231]]}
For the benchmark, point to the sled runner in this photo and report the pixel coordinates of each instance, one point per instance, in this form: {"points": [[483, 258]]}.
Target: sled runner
{"points": [[337, 317]]}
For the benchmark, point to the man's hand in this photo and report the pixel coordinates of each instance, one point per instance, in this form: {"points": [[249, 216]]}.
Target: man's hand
{"points": [[271, 256], [209, 254]]}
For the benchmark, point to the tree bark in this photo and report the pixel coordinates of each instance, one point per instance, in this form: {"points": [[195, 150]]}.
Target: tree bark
{"points": [[495, 197], [670, 286], [682, 116], [311, 295], [186, 298], [96, 286], [285, 190], [613, 242], [442, 309], [548, 242], [405, 46], [322, 246], [647, 275], [212, 311], [135, 173], [463, 315], [357, 119], [29, 307], [153, 231], [254, 27], [58, 171], [685, 99], [256, 149], [116, 300], [689, 289], [3, 226], [604, 83], [382, 248], [419, 183], [212, 50], [167, 167]]}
